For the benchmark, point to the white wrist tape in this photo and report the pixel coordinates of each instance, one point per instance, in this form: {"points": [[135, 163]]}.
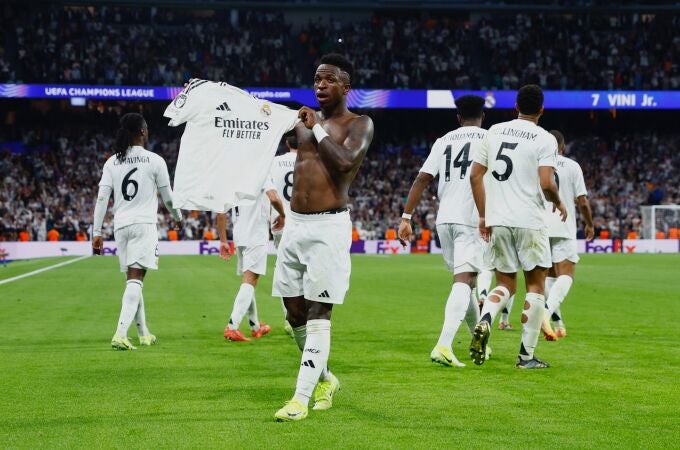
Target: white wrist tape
{"points": [[406, 216], [319, 132]]}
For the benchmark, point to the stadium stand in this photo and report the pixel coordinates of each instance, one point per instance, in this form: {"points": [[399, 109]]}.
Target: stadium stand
{"points": [[157, 46]]}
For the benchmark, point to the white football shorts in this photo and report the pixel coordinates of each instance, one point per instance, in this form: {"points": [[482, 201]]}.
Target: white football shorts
{"points": [[462, 247], [513, 249], [277, 237], [313, 257], [253, 259], [137, 246], [563, 249]]}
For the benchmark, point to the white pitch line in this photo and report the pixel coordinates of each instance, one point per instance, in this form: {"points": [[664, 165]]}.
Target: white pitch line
{"points": [[44, 269]]}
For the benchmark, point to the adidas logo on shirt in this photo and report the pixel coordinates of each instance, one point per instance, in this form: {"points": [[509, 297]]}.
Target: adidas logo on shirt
{"points": [[324, 294], [223, 107]]}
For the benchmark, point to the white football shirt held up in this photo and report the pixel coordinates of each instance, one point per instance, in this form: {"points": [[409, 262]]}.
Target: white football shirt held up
{"points": [[228, 145], [512, 152]]}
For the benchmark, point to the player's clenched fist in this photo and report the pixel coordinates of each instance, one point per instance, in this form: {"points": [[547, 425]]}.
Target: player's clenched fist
{"points": [[308, 116], [97, 245], [405, 232]]}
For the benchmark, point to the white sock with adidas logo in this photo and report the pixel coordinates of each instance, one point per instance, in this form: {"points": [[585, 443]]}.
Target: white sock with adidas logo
{"points": [[314, 358]]}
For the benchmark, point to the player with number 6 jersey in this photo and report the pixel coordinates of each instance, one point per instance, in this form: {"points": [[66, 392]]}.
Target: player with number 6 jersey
{"points": [[134, 175]]}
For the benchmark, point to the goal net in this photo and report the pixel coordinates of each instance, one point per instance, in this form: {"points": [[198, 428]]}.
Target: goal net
{"points": [[661, 219]]}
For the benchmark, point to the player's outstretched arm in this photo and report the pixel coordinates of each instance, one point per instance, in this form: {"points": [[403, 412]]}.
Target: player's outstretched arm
{"points": [[479, 195], [221, 223], [546, 175], [584, 207], [277, 204], [414, 196], [345, 157]]}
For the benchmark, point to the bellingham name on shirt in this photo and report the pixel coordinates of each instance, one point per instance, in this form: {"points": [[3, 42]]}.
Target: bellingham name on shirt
{"points": [[523, 134]]}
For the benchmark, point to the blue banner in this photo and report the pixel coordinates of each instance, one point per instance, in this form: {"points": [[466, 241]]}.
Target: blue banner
{"points": [[365, 98]]}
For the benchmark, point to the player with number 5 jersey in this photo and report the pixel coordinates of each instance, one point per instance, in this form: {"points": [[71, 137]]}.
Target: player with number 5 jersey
{"points": [[134, 175], [521, 158]]}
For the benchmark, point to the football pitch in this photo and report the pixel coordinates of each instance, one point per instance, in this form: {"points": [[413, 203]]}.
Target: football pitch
{"points": [[613, 380]]}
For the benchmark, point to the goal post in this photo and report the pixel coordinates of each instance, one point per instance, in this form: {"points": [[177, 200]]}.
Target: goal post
{"points": [[661, 218]]}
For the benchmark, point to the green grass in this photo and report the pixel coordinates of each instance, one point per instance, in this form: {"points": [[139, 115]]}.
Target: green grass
{"points": [[613, 381], [29, 265]]}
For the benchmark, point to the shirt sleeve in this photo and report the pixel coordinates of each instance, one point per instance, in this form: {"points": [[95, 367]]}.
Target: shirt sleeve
{"points": [[107, 178], [431, 164], [481, 152], [162, 175], [580, 188], [547, 156], [288, 117], [268, 184], [187, 104]]}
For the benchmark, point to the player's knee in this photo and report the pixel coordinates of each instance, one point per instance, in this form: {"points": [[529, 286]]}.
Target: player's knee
{"points": [[319, 310], [465, 277], [499, 294], [296, 311]]}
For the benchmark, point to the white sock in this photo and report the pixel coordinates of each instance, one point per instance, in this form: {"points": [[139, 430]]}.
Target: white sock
{"points": [[314, 358], [131, 296], [549, 282], [505, 315], [532, 317], [140, 318], [558, 292], [253, 319], [454, 312], [300, 336], [241, 304], [472, 313], [484, 284], [491, 309]]}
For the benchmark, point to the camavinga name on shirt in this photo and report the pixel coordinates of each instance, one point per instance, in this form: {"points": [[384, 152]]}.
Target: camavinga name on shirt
{"points": [[241, 129]]}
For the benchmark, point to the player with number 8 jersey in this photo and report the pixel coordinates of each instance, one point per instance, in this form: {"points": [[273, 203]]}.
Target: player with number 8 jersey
{"points": [[281, 175]]}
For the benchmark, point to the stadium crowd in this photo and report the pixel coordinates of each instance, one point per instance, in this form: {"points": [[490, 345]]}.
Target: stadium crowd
{"points": [[156, 46], [49, 185]]}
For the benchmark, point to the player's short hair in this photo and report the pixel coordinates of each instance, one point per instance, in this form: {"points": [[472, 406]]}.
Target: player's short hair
{"points": [[131, 125], [292, 141], [530, 99], [470, 106], [339, 61], [559, 136]]}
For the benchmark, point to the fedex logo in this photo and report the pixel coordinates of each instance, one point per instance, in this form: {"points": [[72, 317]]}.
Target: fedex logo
{"points": [[111, 251], [206, 248], [388, 248], [614, 247]]}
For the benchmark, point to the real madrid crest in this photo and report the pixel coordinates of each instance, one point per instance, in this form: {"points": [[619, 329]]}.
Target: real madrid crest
{"points": [[266, 110], [180, 100]]}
